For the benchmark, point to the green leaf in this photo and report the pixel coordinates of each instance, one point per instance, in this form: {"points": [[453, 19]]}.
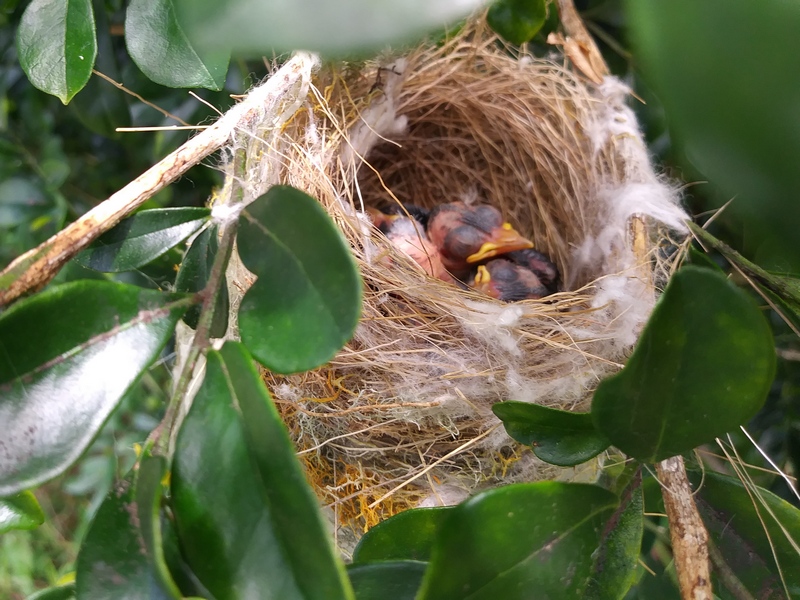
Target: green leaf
{"points": [[517, 21], [306, 302], [257, 27], [699, 258], [558, 437], [736, 54], [158, 45], [149, 490], [21, 201], [616, 560], [736, 519], [121, 556], [187, 581], [20, 511], [92, 341], [703, 366], [245, 515], [61, 592], [56, 45], [528, 540], [193, 277], [398, 580], [405, 536], [143, 237]]}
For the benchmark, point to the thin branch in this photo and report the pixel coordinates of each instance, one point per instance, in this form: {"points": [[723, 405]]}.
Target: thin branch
{"points": [[578, 45], [161, 128], [121, 87], [687, 532], [202, 336], [32, 270]]}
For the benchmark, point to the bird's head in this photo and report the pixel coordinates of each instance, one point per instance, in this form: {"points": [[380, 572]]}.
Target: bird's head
{"points": [[500, 240]]}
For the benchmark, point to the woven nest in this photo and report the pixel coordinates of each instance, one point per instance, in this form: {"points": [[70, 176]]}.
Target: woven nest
{"points": [[402, 415]]}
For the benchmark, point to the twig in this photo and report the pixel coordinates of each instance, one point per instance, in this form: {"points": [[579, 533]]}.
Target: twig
{"points": [[578, 45], [161, 128], [202, 335], [121, 87], [726, 575], [687, 532], [32, 270], [790, 481]]}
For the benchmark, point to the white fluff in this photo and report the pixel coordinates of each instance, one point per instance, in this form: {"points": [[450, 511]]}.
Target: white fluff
{"points": [[492, 323], [437, 382], [379, 122]]}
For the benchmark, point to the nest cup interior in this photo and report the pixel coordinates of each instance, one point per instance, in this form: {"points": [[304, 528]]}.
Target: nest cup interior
{"points": [[485, 137], [402, 415]]}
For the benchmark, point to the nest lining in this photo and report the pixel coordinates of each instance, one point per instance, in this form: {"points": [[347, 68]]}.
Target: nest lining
{"points": [[402, 415]]}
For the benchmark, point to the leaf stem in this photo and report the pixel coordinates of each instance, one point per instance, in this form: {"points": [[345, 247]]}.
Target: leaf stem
{"points": [[202, 339]]}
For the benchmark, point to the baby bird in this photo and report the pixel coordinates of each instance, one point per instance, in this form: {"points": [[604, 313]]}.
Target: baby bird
{"points": [[504, 280], [409, 237], [406, 209], [540, 264], [470, 234]]}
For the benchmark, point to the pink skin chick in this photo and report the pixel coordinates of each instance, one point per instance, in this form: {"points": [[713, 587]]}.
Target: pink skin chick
{"points": [[466, 235], [409, 237]]}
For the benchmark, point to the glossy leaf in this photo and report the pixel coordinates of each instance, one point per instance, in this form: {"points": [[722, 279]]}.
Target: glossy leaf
{"points": [[256, 27], [61, 592], [143, 237], [519, 541], [736, 519], [517, 21], [740, 55], [186, 580], [558, 437], [20, 511], [245, 515], [56, 45], [398, 580], [616, 560], [121, 556], [703, 366], [306, 302], [93, 340], [193, 277], [408, 535], [160, 48], [149, 490]]}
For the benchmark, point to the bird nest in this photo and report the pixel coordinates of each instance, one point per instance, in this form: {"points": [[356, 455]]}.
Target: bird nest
{"points": [[402, 415]]}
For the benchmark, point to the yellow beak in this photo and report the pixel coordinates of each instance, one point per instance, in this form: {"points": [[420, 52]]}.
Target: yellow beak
{"points": [[504, 239]]}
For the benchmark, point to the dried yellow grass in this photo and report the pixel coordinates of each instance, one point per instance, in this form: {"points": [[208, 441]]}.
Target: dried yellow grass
{"points": [[402, 414]]}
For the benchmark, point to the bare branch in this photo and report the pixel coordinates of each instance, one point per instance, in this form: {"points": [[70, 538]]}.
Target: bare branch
{"points": [[32, 270], [688, 534]]}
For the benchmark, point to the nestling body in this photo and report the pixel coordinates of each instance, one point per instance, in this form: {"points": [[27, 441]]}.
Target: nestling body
{"points": [[466, 235]]}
